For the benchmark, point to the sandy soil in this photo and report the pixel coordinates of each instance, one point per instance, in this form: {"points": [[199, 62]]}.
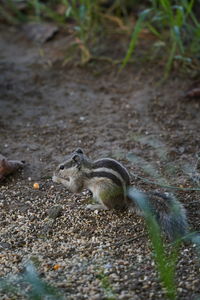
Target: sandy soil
{"points": [[46, 112]]}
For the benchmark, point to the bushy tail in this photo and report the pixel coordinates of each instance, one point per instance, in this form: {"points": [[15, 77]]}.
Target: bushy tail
{"points": [[167, 210]]}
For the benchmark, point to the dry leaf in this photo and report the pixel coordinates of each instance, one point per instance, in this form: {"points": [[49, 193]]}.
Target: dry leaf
{"points": [[9, 166], [193, 93]]}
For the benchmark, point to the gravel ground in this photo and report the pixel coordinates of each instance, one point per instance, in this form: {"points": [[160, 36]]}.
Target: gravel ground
{"points": [[46, 112]]}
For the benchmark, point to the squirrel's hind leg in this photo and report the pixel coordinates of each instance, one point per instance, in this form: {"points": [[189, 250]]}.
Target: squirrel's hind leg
{"points": [[96, 207]]}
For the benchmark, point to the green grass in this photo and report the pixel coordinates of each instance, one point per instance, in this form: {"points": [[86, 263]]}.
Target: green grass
{"points": [[174, 26], [106, 286], [165, 261], [165, 255], [30, 285]]}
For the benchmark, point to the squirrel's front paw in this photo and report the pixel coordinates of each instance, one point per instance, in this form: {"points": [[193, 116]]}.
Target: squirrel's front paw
{"points": [[55, 179]]}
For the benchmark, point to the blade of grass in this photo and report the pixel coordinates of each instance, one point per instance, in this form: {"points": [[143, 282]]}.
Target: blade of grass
{"points": [[38, 288], [8, 16], [19, 16], [134, 38], [166, 264], [170, 60]]}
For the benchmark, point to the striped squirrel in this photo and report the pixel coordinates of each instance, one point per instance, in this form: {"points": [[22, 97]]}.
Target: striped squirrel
{"points": [[108, 180]]}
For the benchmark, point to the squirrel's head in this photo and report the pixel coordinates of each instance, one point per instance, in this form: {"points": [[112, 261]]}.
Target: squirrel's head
{"points": [[75, 160], [70, 172], [74, 163]]}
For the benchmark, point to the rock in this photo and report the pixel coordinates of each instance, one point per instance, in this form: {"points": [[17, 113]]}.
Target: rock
{"points": [[5, 245], [40, 32], [54, 212]]}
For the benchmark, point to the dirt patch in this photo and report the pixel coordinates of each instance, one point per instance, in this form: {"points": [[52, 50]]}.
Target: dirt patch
{"points": [[46, 112]]}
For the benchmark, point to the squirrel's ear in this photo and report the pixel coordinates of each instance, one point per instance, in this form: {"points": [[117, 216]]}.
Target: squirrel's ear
{"points": [[76, 158], [79, 151]]}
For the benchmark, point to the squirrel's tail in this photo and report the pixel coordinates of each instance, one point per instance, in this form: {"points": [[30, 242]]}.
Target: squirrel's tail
{"points": [[170, 214], [168, 211]]}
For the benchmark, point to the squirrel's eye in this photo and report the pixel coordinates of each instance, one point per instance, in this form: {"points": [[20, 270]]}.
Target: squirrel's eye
{"points": [[62, 167]]}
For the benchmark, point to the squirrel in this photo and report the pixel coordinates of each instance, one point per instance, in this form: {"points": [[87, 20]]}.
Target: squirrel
{"points": [[109, 182]]}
